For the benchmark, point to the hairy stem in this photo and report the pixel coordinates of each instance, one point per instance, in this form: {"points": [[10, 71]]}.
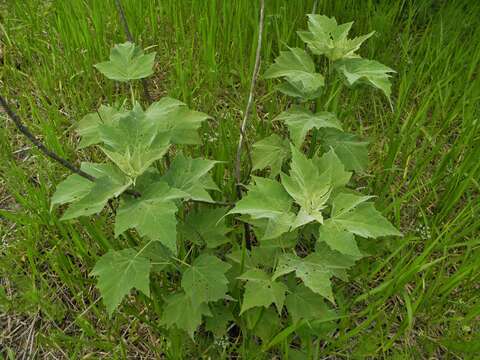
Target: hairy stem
{"points": [[242, 139]]}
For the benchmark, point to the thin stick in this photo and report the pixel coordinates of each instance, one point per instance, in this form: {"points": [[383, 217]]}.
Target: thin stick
{"points": [[128, 34], [248, 109], [49, 153], [246, 116]]}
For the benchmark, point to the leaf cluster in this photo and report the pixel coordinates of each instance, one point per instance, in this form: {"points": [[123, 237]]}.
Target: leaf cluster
{"points": [[306, 219]]}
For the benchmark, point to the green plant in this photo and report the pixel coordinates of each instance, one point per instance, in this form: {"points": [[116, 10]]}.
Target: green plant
{"points": [[304, 216]]}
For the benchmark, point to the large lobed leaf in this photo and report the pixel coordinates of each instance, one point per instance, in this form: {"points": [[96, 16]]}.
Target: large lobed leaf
{"points": [[298, 69], [262, 290], [267, 199], [120, 271], [310, 188], [90, 197], [191, 176], [184, 313], [299, 121], [127, 62], [352, 151], [326, 37], [364, 71], [206, 226], [270, 152], [134, 141], [175, 118], [152, 214], [204, 281], [350, 212]]}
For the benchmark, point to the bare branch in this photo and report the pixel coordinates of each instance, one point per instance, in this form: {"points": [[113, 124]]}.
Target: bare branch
{"points": [[49, 153], [246, 115], [243, 140]]}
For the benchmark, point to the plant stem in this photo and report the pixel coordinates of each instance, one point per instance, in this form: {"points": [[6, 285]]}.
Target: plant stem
{"points": [[242, 139]]}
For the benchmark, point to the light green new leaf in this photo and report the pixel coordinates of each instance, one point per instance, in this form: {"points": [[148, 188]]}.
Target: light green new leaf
{"points": [[120, 271], [345, 202], [205, 280], [270, 152], [308, 187], [152, 214], [300, 121], [351, 151], [326, 37], [267, 199], [92, 198], [72, 189], [206, 226], [134, 141], [298, 68], [175, 118], [302, 303], [364, 71], [261, 290], [127, 62], [363, 220], [184, 313], [191, 176], [313, 272], [88, 129], [329, 162]]}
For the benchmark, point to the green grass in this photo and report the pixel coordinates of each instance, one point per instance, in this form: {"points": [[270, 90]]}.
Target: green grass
{"points": [[416, 297]]}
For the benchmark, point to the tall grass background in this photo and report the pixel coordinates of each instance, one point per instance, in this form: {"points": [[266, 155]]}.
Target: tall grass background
{"points": [[416, 297]]}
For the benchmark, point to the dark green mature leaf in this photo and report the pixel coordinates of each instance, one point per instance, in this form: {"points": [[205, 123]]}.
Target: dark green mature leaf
{"points": [[300, 121], [175, 118], [302, 303], [87, 128], [206, 226], [348, 147], [134, 141], [91, 198], [267, 199], [326, 37], [308, 187], [127, 62], [270, 152], [298, 68], [184, 313], [120, 271], [264, 323], [191, 176], [152, 214], [218, 322], [311, 269], [364, 71], [261, 290], [205, 280]]}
